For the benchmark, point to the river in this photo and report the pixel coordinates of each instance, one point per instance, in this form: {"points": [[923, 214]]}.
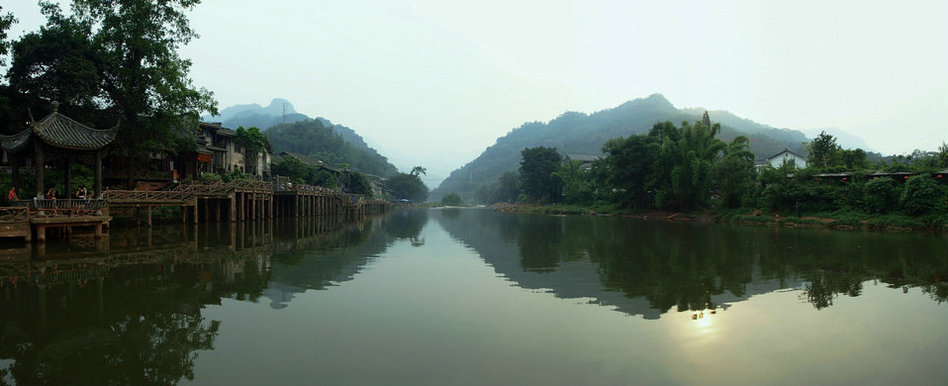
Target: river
{"points": [[448, 296]]}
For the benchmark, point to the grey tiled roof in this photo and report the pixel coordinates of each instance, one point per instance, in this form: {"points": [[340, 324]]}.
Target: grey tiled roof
{"points": [[61, 131]]}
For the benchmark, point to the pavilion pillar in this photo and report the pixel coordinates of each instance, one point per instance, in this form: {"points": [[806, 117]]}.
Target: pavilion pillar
{"points": [[233, 208], [98, 174], [38, 167], [148, 215], [15, 172], [67, 176], [196, 212]]}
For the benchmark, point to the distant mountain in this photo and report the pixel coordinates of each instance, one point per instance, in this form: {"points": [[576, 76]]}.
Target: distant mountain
{"points": [[843, 139], [355, 153], [579, 133], [253, 115]]}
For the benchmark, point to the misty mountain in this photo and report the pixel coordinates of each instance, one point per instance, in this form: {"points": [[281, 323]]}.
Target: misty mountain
{"points": [[844, 139], [253, 115], [321, 139], [579, 133]]}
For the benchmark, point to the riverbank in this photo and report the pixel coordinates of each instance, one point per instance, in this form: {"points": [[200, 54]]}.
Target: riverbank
{"points": [[836, 221]]}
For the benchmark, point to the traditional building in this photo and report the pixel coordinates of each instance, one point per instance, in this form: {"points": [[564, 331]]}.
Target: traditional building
{"points": [[777, 160], [219, 153], [57, 139]]}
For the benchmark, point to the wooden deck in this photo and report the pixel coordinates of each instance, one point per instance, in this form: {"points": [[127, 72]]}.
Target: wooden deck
{"points": [[27, 217], [237, 200]]}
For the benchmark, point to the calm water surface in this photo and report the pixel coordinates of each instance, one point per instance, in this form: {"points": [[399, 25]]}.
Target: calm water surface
{"points": [[470, 296]]}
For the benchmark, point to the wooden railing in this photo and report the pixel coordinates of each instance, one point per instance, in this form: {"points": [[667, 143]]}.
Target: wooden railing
{"points": [[143, 196], [14, 214], [64, 207]]}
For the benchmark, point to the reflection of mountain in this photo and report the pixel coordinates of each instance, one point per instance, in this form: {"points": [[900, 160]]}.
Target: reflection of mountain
{"points": [[646, 268], [339, 258]]}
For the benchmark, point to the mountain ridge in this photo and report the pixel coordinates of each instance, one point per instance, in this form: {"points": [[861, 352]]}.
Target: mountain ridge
{"points": [[280, 111], [579, 133]]}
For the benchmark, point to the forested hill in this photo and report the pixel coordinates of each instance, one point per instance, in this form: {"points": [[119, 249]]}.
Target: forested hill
{"points": [[317, 140], [579, 133], [289, 130]]}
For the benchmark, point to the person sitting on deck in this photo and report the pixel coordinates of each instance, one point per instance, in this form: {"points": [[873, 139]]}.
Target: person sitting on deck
{"points": [[51, 195], [82, 194], [11, 196]]}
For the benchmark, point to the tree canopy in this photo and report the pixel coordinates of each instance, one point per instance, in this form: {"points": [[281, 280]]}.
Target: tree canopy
{"points": [[314, 139], [253, 143], [119, 58], [407, 186], [536, 173]]}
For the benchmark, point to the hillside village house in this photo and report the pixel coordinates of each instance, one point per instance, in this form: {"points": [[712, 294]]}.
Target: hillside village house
{"points": [[777, 160], [218, 153]]}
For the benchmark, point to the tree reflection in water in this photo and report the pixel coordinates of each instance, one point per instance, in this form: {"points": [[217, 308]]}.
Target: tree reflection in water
{"points": [[687, 266]]}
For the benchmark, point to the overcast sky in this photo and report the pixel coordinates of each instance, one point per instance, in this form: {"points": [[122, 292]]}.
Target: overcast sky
{"points": [[435, 83]]}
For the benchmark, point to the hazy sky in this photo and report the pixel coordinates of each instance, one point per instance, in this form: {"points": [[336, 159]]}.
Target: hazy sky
{"points": [[435, 83]]}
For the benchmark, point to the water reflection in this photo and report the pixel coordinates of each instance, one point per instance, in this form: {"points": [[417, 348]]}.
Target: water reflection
{"points": [[129, 311], [648, 268]]}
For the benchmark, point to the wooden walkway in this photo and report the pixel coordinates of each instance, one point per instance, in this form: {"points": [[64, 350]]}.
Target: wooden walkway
{"points": [[234, 201], [21, 219]]}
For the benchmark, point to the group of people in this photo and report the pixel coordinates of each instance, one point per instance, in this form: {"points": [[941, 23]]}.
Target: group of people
{"points": [[50, 195]]}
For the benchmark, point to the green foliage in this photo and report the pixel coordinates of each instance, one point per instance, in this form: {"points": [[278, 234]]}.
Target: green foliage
{"points": [[452, 199], [292, 168], [233, 175], [734, 173], [881, 195], [314, 139], [687, 155], [536, 174], [823, 151], [628, 170], [407, 186], [922, 195], [577, 185], [506, 189], [6, 20], [120, 56], [356, 183], [253, 143]]}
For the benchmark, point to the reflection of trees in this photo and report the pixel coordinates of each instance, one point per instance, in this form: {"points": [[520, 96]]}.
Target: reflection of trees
{"points": [[685, 265], [129, 317], [405, 224], [154, 349]]}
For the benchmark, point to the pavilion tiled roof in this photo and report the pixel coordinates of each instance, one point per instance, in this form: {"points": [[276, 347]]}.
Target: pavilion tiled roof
{"points": [[60, 131]]}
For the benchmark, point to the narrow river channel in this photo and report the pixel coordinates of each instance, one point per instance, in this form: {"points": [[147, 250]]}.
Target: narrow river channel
{"points": [[449, 296]]}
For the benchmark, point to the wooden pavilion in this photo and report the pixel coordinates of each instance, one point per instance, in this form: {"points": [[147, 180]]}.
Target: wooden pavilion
{"points": [[57, 139]]}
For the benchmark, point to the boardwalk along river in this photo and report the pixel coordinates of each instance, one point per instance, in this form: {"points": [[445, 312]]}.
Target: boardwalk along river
{"points": [[447, 296]]}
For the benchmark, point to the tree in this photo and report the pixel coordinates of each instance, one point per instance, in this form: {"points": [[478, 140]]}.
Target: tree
{"points": [[254, 143], [683, 179], [922, 195], [823, 151], [734, 172], [536, 168], [6, 20], [452, 199], [356, 183], [627, 169], [124, 56], [509, 188], [407, 186], [853, 159], [417, 170]]}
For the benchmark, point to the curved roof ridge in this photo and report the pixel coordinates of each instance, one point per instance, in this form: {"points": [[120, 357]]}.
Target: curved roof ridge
{"points": [[59, 130]]}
